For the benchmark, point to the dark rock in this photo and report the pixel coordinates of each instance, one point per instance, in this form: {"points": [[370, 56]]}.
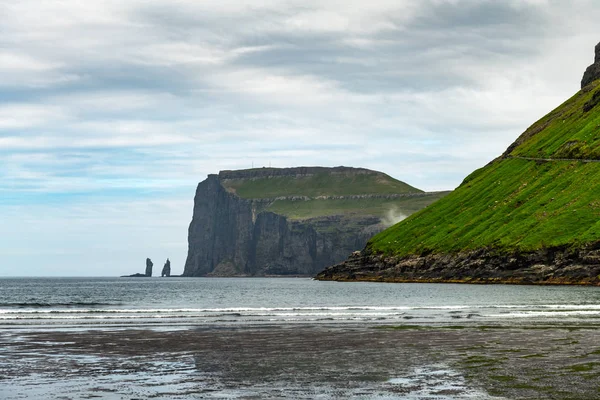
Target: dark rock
{"points": [[138, 275], [166, 271], [558, 265], [593, 71], [149, 265], [147, 274], [593, 102]]}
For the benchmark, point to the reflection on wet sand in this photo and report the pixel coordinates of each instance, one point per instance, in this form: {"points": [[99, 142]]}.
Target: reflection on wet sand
{"points": [[405, 362]]}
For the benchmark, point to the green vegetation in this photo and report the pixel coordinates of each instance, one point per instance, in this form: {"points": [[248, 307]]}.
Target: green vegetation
{"points": [[395, 207], [567, 132], [332, 192], [583, 367], [516, 203], [320, 184]]}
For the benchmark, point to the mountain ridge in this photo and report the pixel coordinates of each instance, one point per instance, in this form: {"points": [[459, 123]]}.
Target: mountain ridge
{"points": [[532, 215]]}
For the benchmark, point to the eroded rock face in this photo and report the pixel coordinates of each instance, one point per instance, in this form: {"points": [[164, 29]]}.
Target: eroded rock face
{"points": [[228, 237], [558, 265], [593, 71], [221, 232]]}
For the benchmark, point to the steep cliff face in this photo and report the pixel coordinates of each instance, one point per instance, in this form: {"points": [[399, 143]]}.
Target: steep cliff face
{"points": [[235, 236], [282, 247], [592, 72], [221, 232]]}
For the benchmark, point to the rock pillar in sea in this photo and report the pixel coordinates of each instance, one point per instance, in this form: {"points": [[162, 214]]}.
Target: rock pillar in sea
{"points": [[149, 265], [166, 271], [593, 71]]}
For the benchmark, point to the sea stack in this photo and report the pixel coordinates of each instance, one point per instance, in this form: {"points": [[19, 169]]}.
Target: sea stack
{"points": [[149, 265], [593, 71], [166, 271]]}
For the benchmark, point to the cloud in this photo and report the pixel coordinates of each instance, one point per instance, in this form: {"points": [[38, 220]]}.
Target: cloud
{"points": [[112, 101], [23, 115]]}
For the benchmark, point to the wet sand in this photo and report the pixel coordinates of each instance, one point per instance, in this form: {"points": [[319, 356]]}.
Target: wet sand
{"points": [[304, 362]]}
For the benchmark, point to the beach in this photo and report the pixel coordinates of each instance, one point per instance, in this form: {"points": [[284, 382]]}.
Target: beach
{"points": [[304, 362]]}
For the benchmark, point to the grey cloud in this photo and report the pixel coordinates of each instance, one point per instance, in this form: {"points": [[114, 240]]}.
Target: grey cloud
{"points": [[146, 96]]}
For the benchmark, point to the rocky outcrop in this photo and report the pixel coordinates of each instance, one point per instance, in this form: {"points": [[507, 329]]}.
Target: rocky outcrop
{"points": [[166, 271], [146, 274], [231, 236], [593, 71], [559, 265], [149, 265]]}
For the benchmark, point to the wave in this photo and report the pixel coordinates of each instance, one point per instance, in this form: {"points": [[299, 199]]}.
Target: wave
{"points": [[35, 304], [101, 314], [55, 308]]}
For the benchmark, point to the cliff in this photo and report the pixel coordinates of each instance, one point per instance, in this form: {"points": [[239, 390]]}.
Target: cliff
{"points": [[593, 71], [290, 221], [530, 216]]}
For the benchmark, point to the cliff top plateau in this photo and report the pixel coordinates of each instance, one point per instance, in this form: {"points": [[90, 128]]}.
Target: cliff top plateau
{"points": [[310, 182], [309, 192]]}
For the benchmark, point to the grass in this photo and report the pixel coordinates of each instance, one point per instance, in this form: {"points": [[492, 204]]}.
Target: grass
{"points": [[583, 367], [385, 208], [314, 194], [567, 132], [319, 184], [515, 204]]}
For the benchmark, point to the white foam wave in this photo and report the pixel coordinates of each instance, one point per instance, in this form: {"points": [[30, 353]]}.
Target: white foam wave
{"points": [[297, 309]]}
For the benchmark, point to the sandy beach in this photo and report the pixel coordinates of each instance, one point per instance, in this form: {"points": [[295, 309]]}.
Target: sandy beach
{"points": [[303, 361]]}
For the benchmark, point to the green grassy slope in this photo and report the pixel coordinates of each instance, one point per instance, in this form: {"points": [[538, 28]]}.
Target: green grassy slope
{"points": [[321, 184], [516, 203], [385, 208]]}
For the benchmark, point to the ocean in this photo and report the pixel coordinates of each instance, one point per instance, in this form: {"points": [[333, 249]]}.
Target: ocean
{"points": [[65, 303], [284, 338]]}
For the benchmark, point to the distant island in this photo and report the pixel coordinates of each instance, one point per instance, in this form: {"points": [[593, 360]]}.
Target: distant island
{"points": [[291, 221], [529, 216]]}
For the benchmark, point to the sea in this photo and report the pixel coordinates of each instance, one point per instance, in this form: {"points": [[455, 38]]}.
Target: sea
{"points": [[70, 303], [288, 338]]}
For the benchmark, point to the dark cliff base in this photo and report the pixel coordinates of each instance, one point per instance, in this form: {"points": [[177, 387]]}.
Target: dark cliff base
{"points": [[550, 266]]}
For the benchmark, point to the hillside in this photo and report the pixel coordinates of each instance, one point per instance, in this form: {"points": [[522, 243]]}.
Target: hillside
{"points": [[530, 216], [311, 182], [311, 192], [291, 221]]}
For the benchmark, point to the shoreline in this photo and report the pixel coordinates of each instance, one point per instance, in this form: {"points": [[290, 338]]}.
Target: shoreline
{"points": [[471, 281], [560, 265]]}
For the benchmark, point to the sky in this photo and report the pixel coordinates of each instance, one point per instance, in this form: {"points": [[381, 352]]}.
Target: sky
{"points": [[112, 111]]}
